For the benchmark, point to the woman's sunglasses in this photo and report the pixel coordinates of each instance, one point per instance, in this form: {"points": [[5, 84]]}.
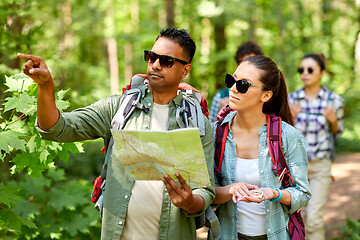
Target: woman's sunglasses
{"points": [[242, 86], [165, 61], [309, 70]]}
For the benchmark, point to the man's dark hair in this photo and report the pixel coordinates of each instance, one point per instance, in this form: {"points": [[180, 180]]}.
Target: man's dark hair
{"points": [[182, 37], [247, 48]]}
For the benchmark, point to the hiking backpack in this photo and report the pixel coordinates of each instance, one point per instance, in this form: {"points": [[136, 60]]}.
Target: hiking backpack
{"points": [[189, 115], [274, 127]]}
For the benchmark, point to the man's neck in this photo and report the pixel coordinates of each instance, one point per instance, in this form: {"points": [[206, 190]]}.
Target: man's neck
{"points": [[164, 97]]}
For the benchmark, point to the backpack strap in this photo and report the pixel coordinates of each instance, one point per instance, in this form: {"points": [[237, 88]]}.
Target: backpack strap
{"points": [[190, 114], [213, 224], [221, 133], [274, 128]]}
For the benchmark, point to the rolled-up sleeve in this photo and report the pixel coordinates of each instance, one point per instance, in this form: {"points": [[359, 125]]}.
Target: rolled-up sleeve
{"points": [[86, 123], [298, 166]]}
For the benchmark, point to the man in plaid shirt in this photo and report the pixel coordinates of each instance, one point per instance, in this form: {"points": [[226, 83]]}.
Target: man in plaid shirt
{"points": [[318, 114]]}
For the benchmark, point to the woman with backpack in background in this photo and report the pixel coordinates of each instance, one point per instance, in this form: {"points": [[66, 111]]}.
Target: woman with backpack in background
{"points": [[318, 114], [258, 88]]}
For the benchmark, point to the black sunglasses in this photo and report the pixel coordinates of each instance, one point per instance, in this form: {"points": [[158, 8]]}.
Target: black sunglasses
{"points": [[242, 86], [309, 70], [165, 61]]}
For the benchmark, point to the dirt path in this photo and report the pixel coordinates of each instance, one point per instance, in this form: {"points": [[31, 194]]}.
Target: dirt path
{"points": [[344, 195]]}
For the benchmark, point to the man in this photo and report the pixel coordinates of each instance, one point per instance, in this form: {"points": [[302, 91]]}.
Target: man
{"points": [[221, 98], [135, 209]]}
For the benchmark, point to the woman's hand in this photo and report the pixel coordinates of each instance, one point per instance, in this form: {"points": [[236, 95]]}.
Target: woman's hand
{"points": [[240, 190], [330, 115], [268, 193], [295, 109]]}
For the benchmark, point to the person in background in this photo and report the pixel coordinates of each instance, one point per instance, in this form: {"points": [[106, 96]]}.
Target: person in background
{"points": [[221, 98], [257, 88], [135, 209], [318, 113]]}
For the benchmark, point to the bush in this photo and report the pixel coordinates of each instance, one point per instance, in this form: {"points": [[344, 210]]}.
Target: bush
{"points": [[37, 201]]}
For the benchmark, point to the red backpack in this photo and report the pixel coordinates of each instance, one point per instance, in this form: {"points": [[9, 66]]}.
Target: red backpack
{"points": [[296, 225]]}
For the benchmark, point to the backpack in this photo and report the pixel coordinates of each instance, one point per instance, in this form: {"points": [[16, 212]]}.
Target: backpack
{"points": [[296, 224], [189, 115]]}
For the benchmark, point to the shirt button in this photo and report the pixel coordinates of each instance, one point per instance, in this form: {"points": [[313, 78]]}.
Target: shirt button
{"points": [[262, 153], [126, 196], [149, 104], [120, 222], [268, 230], [267, 210], [261, 171], [148, 91]]}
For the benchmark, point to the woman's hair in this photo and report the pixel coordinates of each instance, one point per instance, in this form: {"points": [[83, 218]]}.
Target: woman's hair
{"points": [[319, 58], [273, 79]]}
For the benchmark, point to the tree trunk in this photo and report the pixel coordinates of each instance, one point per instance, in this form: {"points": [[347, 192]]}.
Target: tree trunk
{"points": [[252, 21], [327, 30], [67, 42], [220, 45], [114, 65], [170, 13], [112, 50], [357, 45]]}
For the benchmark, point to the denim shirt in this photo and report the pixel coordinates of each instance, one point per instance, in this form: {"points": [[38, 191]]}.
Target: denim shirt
{"points": [[277, 214], [94, 121]]}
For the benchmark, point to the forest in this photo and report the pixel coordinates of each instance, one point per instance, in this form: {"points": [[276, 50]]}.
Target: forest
{"points": [[94, 47]]}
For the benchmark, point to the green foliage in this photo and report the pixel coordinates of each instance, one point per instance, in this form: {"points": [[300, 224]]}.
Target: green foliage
{"points": [[38, 201], [350, 231]]}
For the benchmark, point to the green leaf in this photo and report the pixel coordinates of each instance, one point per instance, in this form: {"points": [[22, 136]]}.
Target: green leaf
{"points": [[77, 223], [18, 83], [35, 186], [56, 174], [61, 104], [71, 195], [31, 145], [24, 103], [31, 161], [11, 139], [26, 209], [11, 221], [9, 195], [60, 94]]}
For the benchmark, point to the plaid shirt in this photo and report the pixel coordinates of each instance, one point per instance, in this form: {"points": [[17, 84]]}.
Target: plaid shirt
{"points": [[314, 126], [277, 214]]}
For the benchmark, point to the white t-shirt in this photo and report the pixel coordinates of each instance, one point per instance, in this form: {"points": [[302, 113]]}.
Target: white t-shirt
{"points": [[144, 210], [250, 216]]}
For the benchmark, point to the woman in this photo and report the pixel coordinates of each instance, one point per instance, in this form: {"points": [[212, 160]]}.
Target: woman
{"points": [[318, 114], [247, 164]]}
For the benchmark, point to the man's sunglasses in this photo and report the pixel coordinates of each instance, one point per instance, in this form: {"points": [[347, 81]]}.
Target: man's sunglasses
{"points": [[309, 70], [242, 86], [165, 61]]}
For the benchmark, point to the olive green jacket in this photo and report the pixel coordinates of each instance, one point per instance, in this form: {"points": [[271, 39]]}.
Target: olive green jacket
{"points": [[94, 121]]}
